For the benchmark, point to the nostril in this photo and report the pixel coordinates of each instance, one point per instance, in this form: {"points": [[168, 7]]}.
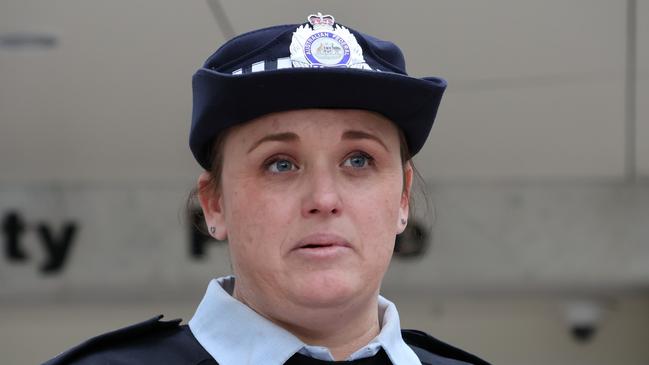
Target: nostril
{"points": [[313, 211]]}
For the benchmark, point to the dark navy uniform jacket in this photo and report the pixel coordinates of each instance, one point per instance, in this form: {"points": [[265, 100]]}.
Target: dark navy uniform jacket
{"points": [[167, 342]]}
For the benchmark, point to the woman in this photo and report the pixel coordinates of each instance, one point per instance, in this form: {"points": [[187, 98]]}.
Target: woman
{"points": [[306, 134]]}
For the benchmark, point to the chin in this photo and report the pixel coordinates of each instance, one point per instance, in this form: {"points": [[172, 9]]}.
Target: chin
{"points": [[326, 289]]}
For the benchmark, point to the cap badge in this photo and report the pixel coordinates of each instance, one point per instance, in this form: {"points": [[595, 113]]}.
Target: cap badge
{"points": [[322, 43]]}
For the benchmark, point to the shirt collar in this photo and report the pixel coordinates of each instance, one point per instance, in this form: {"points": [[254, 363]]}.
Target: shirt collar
{"points": [[234, 334]]}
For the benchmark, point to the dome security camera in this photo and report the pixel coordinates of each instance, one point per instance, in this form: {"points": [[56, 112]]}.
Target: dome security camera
{"points": [[583, 318]]}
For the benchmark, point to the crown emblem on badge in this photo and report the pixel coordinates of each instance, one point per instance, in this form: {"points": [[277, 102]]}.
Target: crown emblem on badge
{"points": [[323, 43], [319, 21]]}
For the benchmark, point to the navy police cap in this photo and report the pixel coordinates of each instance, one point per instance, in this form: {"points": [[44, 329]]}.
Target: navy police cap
{"points": [[318, 64]]}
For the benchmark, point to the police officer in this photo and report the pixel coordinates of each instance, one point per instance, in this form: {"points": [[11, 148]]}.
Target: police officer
{"points": [[306, 134]]}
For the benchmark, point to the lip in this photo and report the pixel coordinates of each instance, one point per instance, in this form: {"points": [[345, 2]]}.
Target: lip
{"points": [[321, 241]]}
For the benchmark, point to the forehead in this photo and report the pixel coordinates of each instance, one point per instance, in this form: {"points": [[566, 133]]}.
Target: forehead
{"points": [[317, 123]]}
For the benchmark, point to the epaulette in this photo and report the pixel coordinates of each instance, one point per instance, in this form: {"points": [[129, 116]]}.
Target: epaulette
{"points": [[151, 328], [429, 350]]}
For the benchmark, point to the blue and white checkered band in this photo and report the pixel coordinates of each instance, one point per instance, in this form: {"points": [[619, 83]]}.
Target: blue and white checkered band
{"points": [[271, 65], [278, 64], [324, 49]]}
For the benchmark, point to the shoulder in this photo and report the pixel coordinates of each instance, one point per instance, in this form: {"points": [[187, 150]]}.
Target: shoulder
{"points": [[149, 342], [433, 351]]}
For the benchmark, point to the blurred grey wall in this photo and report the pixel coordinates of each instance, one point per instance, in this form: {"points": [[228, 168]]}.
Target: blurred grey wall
{"points": [[537, 169]]}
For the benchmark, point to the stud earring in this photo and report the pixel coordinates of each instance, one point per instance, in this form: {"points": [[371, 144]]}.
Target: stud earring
{"points": [[212, 229], [403, 221]]}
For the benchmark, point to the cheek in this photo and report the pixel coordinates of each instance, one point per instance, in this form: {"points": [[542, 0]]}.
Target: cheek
{"points": [[381, 201], [256, 222], [376, 216]]}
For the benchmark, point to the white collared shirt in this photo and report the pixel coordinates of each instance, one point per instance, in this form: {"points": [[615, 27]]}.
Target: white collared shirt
{"points": [[234, 334]]}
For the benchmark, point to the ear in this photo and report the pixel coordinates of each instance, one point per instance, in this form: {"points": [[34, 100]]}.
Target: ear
{"points": [[211, 201], [404, 204]]}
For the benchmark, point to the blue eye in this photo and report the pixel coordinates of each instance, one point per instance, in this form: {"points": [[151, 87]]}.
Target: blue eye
{"points": [[281, 165], [358, 161]]}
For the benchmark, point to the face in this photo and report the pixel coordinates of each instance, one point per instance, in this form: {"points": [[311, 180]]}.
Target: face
{"points": [[310, 202]]}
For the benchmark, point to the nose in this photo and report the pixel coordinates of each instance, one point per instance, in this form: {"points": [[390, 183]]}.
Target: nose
{"points": [[322, 197]]}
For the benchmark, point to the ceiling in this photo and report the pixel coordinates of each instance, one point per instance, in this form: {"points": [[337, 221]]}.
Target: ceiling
{"points": [[536, 90]]}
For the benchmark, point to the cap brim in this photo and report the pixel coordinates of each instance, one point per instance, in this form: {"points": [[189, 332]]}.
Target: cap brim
{"points": [[223, 100]]}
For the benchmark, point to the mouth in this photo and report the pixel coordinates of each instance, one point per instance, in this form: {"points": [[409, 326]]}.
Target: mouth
{"points": [[313, 245], [322, 242], [322, 239]]}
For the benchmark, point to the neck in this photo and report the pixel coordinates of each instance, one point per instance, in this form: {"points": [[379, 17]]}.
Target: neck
{"points": [[342, 330], [342, 334]]}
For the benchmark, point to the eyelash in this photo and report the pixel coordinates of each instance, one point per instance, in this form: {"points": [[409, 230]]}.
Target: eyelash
{"points": [[370, 159], [268, 163]]}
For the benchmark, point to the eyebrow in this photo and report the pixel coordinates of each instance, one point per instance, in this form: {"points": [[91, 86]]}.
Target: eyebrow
{"points": [[355, 134], [281, 137]]}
